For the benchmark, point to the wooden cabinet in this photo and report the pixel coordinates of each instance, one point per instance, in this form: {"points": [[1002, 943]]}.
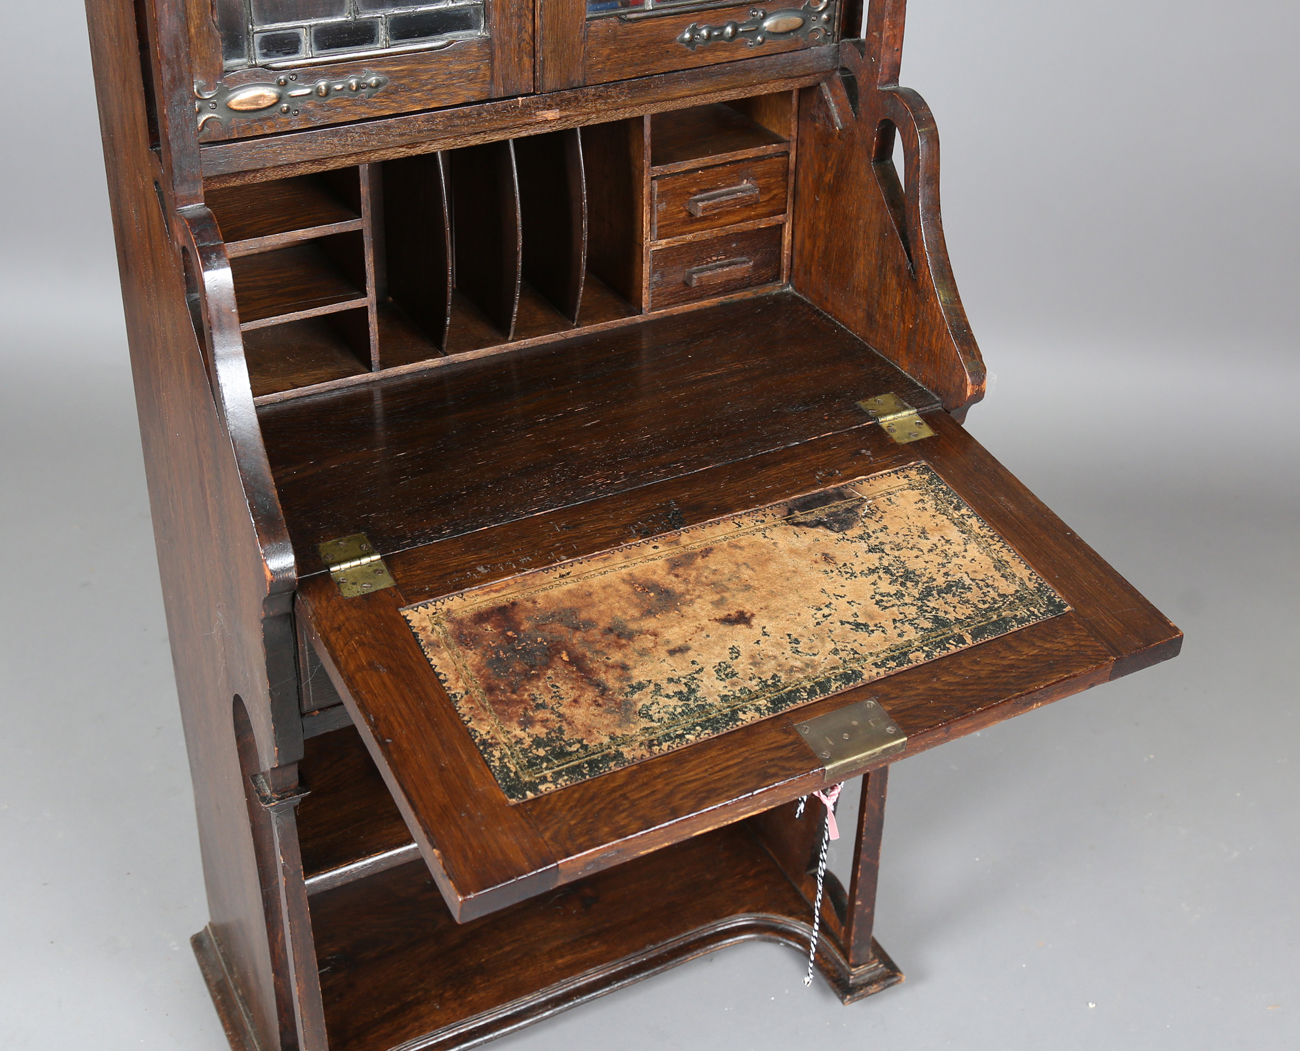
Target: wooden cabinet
{"points": [[265, 66], [553, 418]]}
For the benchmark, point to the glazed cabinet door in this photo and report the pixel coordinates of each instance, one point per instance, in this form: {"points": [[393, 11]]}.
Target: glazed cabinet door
{"points": [[263, 66], [597, 41]]}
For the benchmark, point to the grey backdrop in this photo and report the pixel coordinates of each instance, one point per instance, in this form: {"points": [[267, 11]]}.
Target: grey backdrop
{"points": [[1115, 871]]}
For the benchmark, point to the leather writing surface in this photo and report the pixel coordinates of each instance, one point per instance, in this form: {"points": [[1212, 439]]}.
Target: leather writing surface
{"points": [[578, 669]]}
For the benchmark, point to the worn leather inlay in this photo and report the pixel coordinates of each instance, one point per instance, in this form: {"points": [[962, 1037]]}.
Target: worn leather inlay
{"points": [[568, 672]]}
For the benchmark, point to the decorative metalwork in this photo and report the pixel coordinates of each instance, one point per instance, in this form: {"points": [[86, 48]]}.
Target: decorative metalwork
{"points": [[812, 22], [287, 94]]}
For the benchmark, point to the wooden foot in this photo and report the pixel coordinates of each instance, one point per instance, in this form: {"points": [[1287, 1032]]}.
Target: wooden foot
{"points": [[225, 997]]}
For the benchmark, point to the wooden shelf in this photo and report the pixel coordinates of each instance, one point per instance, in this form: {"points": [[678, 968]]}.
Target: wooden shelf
{"points": [[711, 134], [308, 351], [267, 215], [397, 970], [348, 825], [291, 283]]}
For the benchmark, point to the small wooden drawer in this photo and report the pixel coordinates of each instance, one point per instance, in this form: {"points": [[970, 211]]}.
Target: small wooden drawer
{"points": [[723, 195], [714, 266]]}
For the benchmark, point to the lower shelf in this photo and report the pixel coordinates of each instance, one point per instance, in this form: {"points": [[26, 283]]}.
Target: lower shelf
{"points": [[396, 969]]}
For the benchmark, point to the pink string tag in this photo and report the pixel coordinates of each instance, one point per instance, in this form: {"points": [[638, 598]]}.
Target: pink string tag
{"points": [[828, 796]]}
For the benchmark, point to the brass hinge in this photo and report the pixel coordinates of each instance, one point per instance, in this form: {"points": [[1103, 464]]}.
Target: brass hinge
{"points": [[901, 422], [848, 739], [355, 565]]}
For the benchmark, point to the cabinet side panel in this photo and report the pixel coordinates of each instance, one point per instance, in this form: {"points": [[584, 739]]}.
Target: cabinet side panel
{"points": [[214, 580], [868, 244]]}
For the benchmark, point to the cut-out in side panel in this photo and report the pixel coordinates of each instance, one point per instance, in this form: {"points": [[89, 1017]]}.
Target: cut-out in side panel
{"points": [[417, 248], [889, 163], [485, 231], [553, 217]]}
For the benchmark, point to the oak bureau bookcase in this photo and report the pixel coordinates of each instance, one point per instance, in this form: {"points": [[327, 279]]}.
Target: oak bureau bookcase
{"points": [[553, 420]]}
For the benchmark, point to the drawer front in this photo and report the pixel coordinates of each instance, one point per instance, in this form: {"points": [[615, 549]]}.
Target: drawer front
{"points": [[725, 195], [714, 266], [624, 42]]}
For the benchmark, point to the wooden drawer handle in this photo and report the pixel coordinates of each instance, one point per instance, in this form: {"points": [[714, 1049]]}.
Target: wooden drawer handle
{"points": [[713, 201], [717, 273]]}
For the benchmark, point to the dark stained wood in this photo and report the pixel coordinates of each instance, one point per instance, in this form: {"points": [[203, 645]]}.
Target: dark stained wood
{"points": [[299, 281], [601, 304], [553, 217], [483, 854], [271, 798], [719, 196], [641, 808], [219, 545], [861, 905], [385, 943], [617, 189], [486, 230], [561, 36], [845, 197], [400, 341], [408, 367], [778, 112], [260, 216], [369, 200], [298, 153], [348, 817], [537, 315], [792, 841], [464, 72], [417, 247], [617, 49], [1118, 615], [315, 691], [470, 328], [512, 28], [313, 350], [485, 343], [509, 437], [724, 262], [231, 1011], [707, 134]]}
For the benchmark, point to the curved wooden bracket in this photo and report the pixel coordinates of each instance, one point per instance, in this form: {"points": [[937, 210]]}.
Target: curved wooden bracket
{"points": [[881, 267], [211, 291]]}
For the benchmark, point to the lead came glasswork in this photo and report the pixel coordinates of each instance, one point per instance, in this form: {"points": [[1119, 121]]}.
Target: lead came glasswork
{"points": [[284, 31]]}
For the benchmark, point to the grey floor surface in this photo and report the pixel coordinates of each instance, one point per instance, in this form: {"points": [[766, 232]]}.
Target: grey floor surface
{"points": [[1118, 870]]}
